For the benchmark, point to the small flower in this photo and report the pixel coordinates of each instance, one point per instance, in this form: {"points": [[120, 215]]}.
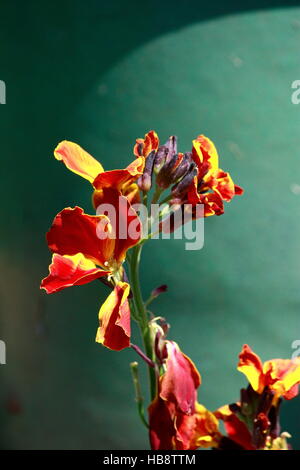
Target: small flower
{"points": [[280, 376], [176, 419], [85, 248], [212, 185], [143, 147], [253, 422]]}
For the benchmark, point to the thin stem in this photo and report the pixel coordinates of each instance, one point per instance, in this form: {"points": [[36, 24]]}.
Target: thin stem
{"points": [[142, 355], [138, 392], [141, 312]]}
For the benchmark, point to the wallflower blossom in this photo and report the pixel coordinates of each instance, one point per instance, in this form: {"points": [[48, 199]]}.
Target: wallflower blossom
{"points": [[176, 419], [280, 376], [212, 185], [253, 422], [88, 247]]}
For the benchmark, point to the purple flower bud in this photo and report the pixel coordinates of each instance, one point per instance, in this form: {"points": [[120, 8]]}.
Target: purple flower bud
{"points": [[171, 145], [179, 190], [160, 158], [159, 290], [164, 177], [145, 181], [183, 167]]}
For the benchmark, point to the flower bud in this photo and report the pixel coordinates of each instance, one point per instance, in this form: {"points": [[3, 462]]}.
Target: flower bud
{"points": [[145, 181], [171, 145], [165, 177], [160, 158], [182, 167], [159, 290], [180, 188]]}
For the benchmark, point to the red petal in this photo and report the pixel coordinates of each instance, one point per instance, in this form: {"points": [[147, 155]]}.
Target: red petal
{"points": [[238, 190], [126, 226], [74, 232], [114, 318], [180, 381], [144, 146], [118, 178], [161, 426], [67, 271]]}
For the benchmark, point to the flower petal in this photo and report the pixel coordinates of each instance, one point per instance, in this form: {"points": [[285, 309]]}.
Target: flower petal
{"points": [[205, 153], [126, 226], [67, 271], [161, 425], [78, 160], [235, 428], [251, 365], [213, 204], [238, 190], [145, 146], [74, 232], [118, 179], [198, 430], [180, 381], [283, 376], [221, 182], [114, 318]]}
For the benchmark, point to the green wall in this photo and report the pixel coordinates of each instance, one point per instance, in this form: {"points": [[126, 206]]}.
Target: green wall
{"points": [[102, 74]]}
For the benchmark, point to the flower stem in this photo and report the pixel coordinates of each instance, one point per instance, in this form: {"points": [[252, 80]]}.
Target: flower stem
{"points": [[138, 392], [141, 313]]}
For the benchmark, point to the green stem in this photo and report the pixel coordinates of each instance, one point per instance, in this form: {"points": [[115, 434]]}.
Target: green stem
{"points": [[141, 313], [138, 392]]}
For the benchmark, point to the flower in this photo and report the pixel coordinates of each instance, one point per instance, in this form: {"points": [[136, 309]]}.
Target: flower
{"points": [[280, 376], [88, 247], [195, 176], [253, 422], [176, 419], [82, 163], [212, 185], [143, 147]]}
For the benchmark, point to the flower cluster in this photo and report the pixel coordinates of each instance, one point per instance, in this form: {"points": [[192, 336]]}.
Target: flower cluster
{"points": [[88, 247], [178, 422], [105, 246]]}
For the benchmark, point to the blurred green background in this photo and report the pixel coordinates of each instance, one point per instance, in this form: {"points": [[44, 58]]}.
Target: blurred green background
{"points": [[101, 74]]}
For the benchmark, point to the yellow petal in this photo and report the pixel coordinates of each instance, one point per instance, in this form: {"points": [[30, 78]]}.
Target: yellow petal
{"points": [[78, 160]]}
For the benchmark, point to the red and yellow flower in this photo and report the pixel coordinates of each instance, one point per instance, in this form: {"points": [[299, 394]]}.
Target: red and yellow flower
{"points": [[212, 185], [253, 423], [88, 247], [176, 419], [143, 147], [280, 376]]}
